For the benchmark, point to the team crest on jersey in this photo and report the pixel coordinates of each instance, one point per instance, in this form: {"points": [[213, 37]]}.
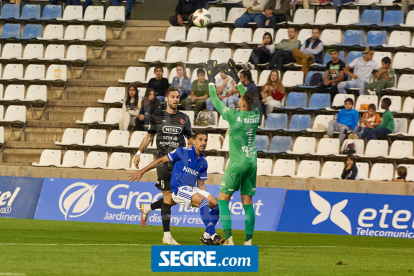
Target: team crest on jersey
{"points": [[182, 121]]}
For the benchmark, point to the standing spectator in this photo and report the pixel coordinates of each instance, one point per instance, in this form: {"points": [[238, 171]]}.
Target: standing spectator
{"points": [[129, 5], [310, 52], [148, 106], [130, 108], [363, 67], [277, 11], [283, 53], [334, 74], [254, 13], [199, 93], [159, 84], [181, 82], [387, 125], [263, 53], [347, 119], [402, 174], [350, 171], [247, 81], [273, 92], [368, 120], [385, 78], [223, 88], [184, 12]]}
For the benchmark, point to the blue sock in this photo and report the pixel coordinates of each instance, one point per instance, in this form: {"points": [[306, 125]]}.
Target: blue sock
{"points": [[214, 213], [205, 216]]}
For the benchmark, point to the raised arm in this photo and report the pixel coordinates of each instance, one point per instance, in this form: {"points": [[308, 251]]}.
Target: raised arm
{"points": [[138, 175]]}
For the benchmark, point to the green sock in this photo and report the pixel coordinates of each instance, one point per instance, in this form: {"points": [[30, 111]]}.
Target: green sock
{"points": [[225, 217], [249, 220]]}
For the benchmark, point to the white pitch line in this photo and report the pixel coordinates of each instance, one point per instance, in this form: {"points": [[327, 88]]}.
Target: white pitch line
{"points": [[11, 274]]}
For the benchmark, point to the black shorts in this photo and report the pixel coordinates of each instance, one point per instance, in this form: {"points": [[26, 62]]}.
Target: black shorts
{"points": [[164, 172]]}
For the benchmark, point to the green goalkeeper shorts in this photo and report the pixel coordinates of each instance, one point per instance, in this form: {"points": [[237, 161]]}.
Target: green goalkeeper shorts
{"points": [[239, 176]]}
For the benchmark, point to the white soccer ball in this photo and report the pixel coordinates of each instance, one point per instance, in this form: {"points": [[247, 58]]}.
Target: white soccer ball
{"points": [[202, 18]]}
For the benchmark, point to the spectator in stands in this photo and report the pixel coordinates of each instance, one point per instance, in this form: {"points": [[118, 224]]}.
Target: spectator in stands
{"points": [[283, 53], [55, 2], [129, 5], [402, 174], [130, 108], [338, 4], [254, 13], [277, 11], [148, 106], [159, 84], [95, 3], [223, 88], [273, 92], [363, 67], [334, 74], [368, 120], [310, 52], [181, 81], [247, 80], [199, 93], [387, 125], [184, 12], [385, 78], [350, 171], [346, 120], [263, 53]]}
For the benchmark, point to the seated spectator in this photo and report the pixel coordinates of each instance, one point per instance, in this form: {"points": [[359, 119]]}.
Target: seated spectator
{"points": [[148, 106], [129, 5], [385, 78], [223, 88], [181, 81], [273, 92], [363, 67], [263, 53], [350, 171], [247, 81], [334, 74], [94, 2], [159, 84], [54, 2], [277, 11], [310, 52], [254, 13], [368, 120], [184, 12], [199, 93], [338, 4], [130, 108], [387, 125], [402, 174], [347, 119], [283, 53]]}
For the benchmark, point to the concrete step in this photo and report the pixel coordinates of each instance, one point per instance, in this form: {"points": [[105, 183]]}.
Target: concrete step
{"points": [[53, 104], [32, 134], [92, 83], [30, 145], [104, 73], [52, 124], [22, 156], [128, 55]]}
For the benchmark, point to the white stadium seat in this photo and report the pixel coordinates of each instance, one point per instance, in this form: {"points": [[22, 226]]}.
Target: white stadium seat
{"points": [[92, 115], [348, 17], [408, 106], [196, 34], [304, 34], [303, 16], [73, 158], [226, 143], [366, 99], [174, 33], [218, 14], [376, 148], [112, 116], [12, 50], [222, 55], [1, 112], [234, 13], [113, 95], [136, 139], [95, 137], [401, 149], [303, 145], [400, 126], [76, 52], [308, 169], [95, 33], [325, 16], [72, 12], [93, 13], [134, 74], [264, 166], [54, 51], [71, 136], [115, 13], [146, 159], [403, 60], [56, 72], [15, 114], [35, 72], [381, 171], [398, 39], [284, 167], [118, 138], [33, 51], [153, 54], [331, 37], [328, 146], [405, 83], [332, 170], [119, 161], [1, 135], [176, 54], [214, 142], [215, 164], [198, 55], [52, 32], [74, 32], [49, 158], [14, 92], [13, 71], [96, 160], [153, 144], [218, 35], [242, 56], [241, 35], [263, 77], [190, 114], [292, 78], [322, 120], [281, 34], [363, 170]]}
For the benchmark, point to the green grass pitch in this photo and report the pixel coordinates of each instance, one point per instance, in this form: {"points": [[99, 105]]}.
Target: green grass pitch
{"points": [[34, 247]]}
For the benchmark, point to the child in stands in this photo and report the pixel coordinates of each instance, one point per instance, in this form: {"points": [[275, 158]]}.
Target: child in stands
{"points": [[402, 174], [369, 120], [387, 125], [350, 171], [385, 78]]}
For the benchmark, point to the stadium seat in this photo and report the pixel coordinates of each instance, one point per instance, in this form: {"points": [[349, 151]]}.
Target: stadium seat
{"points": [[309, 78], [258, 35], [96, 160], [233, 14], [242, 56], [303, 16], [176, 54], [386, 3], [308, 169], [370, 17], [262, 143], [10, 31], [12, 50], [395, 103], [117, 138], [352, 38], [222, 124], [213, 142], [13, 71], [366, 99], [264, 75], [74, 32], [30, 12], [196, 34], [358, 146], [93, 13], [96, 33], [381, 171], [331, 37], [95, 137], [400, 126], [218, 14], [325, 16], [190, 114], [264, 166], [376, 38], [296, 100], [408, 106], [15, 114], [52, 32], [115, 13], [319, 101], [92, 115], [241, 35], [136, 139], [56, 73], [332, 170], [36, 93], [113, 95], [1, 111], [303, 145], [284, 167], [219, 35], [398, 39], [304, 34], [14, 92], [363, 170], [54, 51], [10, 11], [281, 34], [403, 61], [1, 135], [225, 146], [198, 55], [405, 83], [72, 12], [327, 58], [401, 149], [52, 12], [134, 74], [274, 122], [215, 164], [112, 117], [393, 18], [32, 31], [299, 123], [378, 56], [292, 78], [353, 55], [321, 123], [280, 144], [153, 54], [146, 159], [348, 17], [49, 158], [73, 158], [410, 172], [328, 146], [76, 53], [174, 33], [222, 55], [35, 72], [71, 136], [376, 148], [409, 21]]}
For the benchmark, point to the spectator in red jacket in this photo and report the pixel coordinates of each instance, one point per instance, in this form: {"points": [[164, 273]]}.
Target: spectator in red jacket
{"points": [[273, 92]]}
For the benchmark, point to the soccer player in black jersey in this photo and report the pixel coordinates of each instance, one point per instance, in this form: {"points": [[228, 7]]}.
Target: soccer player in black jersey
{"points": [[170, 126]]}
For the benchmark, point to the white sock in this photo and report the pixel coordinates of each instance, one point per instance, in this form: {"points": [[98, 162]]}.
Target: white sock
{"points": [[212, 236], [167, 235], [206, 235], [147, 208]]}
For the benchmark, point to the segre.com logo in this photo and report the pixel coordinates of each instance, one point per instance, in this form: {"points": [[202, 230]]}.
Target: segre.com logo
{"points": [[204, 258]]}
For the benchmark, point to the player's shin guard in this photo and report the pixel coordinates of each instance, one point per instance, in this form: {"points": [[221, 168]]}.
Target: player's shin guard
{"points": [[157, 204], [214, 213], [249, 220], [166, 216], [205, 216], [225, 217]]}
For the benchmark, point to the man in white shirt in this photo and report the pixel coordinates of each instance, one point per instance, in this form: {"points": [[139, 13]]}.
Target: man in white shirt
{"points": [[223, 87], [363, 67]]}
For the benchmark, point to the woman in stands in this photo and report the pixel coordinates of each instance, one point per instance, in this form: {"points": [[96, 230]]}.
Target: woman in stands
{"points": [[148, 106], [350, 170], [130, 108], [159, 84], [273, 92], [262, 54], [182, 82]]}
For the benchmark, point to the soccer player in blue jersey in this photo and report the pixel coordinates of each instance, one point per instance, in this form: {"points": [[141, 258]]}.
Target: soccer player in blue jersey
{"points": [[190, 168]]}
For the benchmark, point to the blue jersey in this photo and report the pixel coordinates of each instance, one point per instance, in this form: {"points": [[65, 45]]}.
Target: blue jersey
{"points": [[188, 167]]}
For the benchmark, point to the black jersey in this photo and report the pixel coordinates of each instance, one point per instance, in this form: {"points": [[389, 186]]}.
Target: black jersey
{"points": [[170, 130]]}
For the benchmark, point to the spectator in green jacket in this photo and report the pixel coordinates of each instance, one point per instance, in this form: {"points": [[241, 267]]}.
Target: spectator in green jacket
{"points": [[199, 93], [283, 54], [387, 125]]}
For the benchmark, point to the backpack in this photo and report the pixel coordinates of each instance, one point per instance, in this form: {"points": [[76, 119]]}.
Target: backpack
{"points": [[316, 79], [205, 118], [350, 149]]}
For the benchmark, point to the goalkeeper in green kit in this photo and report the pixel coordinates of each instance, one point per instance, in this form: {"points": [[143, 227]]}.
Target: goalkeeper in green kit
{"points": [[241, 170]]}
